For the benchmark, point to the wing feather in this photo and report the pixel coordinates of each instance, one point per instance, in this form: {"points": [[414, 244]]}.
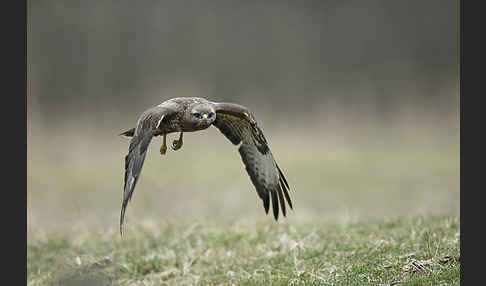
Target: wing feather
{"points": [[147, 127], [282, 200], [275, 204], [238, 125]]}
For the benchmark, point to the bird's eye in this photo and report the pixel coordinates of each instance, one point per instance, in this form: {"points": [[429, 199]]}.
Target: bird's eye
{"points": [[197, 114], [210, 114]]}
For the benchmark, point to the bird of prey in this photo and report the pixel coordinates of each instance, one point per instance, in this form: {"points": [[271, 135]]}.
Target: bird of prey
{"points": [[189, 114]]}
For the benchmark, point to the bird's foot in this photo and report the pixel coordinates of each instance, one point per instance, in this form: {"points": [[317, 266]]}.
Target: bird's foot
{"points": [[177, 144], [163, 148]]}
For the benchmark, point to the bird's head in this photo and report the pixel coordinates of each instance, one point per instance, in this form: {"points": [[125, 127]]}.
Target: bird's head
{"points": [[202, 115]]}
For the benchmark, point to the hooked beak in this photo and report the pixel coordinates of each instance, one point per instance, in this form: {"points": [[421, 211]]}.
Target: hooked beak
{"points": [[205, 116]]}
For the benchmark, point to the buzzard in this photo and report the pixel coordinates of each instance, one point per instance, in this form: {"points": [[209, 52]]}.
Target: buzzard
{"points": [[189, 114]]}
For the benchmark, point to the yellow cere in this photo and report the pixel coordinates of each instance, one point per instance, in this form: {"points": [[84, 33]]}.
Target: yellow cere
{"points": [[205, 116]]}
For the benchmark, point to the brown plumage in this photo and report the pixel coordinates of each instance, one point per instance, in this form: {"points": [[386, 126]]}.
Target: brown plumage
{"points": [[189, 114]]}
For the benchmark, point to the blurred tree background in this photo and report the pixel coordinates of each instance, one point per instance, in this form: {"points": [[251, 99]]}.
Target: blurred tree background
{"points": [[335, 74]]}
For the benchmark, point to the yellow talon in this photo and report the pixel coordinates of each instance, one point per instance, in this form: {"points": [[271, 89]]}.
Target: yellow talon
{"points": [[163, 148]]}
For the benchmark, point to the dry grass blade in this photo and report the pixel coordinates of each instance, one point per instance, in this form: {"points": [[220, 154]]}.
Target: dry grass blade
{"points": [[449, 260], [416, 266]]}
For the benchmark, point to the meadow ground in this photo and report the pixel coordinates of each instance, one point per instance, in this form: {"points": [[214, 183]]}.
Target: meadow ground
{"points": [[419, 251], [371, 206]]}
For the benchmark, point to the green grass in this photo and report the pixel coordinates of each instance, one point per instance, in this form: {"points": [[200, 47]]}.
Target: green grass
{"points": [[406, 251]]}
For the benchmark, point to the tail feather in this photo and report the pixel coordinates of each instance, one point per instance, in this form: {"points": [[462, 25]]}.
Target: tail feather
{"points": [[128, 133]]}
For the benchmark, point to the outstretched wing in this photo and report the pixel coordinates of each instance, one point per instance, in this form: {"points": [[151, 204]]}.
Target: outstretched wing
{"points": [[147, 127], [239, 126]]}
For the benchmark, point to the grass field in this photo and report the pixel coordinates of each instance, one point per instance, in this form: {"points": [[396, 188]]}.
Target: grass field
{"points": [[418, 251], [372, 206]]}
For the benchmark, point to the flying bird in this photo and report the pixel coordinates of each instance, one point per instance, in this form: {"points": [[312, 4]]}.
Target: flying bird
{"points": [[190, 114]]}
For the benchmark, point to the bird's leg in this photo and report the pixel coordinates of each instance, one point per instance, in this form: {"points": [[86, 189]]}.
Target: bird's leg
{"points": [[177, 144], [163, 148]]}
